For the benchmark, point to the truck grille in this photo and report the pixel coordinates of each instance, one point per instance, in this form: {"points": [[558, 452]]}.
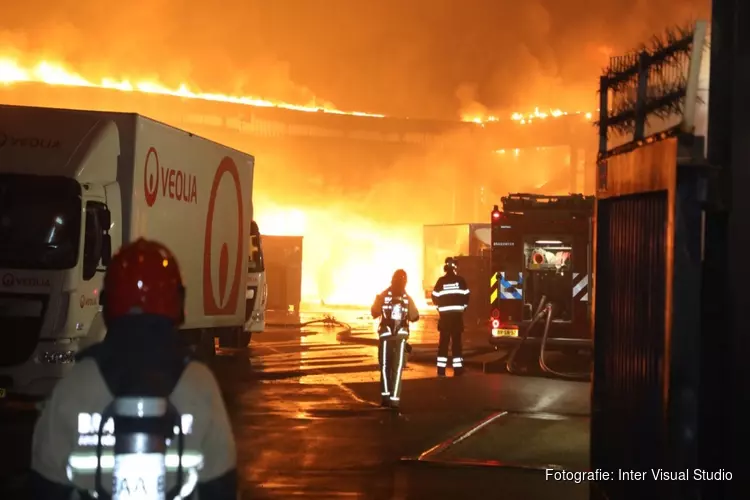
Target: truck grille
{"points": [[20, 332]]}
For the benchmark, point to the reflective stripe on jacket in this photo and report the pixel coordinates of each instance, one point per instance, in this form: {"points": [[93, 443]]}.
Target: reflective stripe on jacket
{"points": [[450, 294]]}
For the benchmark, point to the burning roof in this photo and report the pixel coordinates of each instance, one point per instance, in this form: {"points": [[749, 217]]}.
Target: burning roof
{"points": [[56, 73]]}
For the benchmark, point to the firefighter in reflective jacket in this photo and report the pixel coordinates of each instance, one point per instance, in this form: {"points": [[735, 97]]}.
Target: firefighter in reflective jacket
{"points": [[142, 355], [396, 310], [451, 296]]}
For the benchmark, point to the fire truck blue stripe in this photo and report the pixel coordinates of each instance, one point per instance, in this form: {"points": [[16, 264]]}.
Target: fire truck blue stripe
{"points": [[508, 290]]}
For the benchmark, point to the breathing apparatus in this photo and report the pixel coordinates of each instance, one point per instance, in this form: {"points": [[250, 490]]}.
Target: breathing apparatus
{"points": [[143, 428], [140, 423]]}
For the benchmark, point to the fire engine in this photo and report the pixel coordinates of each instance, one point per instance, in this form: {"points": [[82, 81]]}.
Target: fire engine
{"points": [[540, 263]]}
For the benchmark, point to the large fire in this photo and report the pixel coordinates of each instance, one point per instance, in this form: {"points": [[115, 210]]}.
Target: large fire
{"points": [[527, 118], [57, 73], [54, 73], [346, 259]]}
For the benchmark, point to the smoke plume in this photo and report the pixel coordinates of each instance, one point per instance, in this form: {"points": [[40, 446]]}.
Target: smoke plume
{"points": [[409, 59]]}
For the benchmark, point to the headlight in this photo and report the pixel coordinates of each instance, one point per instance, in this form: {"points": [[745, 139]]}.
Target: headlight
{"points": [[57, 357]]}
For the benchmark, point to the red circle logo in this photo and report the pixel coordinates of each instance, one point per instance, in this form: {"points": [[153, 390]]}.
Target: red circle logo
{"points": [[151, 177], [227, 303]]}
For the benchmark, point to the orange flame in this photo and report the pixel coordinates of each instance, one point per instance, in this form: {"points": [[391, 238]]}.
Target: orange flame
{"points": [[54, 73], [526, 118], [346, 259]]}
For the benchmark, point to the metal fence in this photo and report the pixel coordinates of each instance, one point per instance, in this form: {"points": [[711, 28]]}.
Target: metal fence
{"points": [[658, 82]]}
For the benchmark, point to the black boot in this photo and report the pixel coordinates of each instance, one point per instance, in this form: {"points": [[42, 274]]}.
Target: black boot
{"points": [[441, 371], [457, 372], [385, 402]]}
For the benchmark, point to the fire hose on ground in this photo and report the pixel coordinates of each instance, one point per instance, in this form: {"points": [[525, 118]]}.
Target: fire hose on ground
{"points": [[544, 309], [327, 320]]}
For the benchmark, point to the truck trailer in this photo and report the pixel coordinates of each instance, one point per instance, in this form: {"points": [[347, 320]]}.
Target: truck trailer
{"points": [[74, 187]]}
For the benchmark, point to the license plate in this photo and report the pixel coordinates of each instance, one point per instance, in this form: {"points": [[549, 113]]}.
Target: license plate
{"points": [[2, 393], [504, 332]]}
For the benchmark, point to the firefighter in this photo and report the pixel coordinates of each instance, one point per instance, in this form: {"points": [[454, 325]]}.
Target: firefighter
{"points": [[451, 296], [142, 355], [396, 310]]}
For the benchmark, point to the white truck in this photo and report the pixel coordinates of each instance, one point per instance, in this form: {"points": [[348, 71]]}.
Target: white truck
{"points": [[75, 186]]}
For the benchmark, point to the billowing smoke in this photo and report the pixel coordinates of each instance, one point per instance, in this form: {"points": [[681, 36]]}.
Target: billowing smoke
{"points": [[549, 54], [422, 58]]}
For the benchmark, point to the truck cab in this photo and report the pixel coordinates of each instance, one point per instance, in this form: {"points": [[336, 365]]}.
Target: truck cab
{"points": [[256, 295], [76, 185], [54, 248]]}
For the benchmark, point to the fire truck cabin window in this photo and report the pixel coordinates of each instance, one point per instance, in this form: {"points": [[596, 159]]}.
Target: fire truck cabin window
{"points": [[552, 254]]}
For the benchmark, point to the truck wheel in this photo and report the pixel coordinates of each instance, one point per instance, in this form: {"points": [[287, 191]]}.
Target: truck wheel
{"points": [[227, 340], [243, 339], [206, 349], [234, 340]]}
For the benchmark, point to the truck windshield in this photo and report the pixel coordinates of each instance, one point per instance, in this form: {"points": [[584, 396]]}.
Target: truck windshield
{"points": [[40, 222]]}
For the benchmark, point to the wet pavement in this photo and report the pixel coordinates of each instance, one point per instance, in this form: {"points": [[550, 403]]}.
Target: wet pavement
{"points": [[311, 425], [303, 401]]}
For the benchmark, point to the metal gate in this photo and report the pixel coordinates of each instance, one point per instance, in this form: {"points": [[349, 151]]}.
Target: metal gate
{"points": [[647, 300], [628, 387]]}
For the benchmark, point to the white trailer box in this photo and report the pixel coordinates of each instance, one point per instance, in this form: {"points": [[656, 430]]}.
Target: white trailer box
{"points": [[75, 184]]}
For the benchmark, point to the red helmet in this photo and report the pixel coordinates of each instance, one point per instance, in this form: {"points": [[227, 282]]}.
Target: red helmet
{"points": [[144, 278]]}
